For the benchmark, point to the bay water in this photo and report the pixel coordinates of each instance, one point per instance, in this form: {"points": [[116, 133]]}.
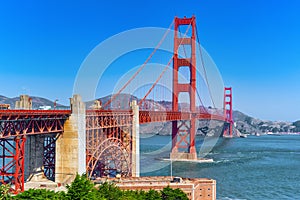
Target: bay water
{"points": [[264, 167]]}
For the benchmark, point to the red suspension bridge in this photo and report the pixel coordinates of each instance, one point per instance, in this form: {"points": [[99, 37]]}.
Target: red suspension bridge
{"points": [[104, 141]]}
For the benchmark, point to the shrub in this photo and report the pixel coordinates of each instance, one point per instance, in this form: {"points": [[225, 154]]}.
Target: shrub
{"points": [[109, 191], [4, 192], [81, 188], [37, 194], [173, 194]]}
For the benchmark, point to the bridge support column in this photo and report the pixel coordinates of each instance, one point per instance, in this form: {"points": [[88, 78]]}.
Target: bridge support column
{"points": [[34, 151], [70, 155], [183, 138], [135, 140], [228, 129], [12, 163], [183, 132], [24, 103], [34, 155]]}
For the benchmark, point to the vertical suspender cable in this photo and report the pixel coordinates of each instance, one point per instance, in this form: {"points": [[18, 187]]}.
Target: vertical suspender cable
{"points": [[204, 70]]}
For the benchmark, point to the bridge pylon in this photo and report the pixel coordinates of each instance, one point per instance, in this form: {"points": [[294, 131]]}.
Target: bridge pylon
{"points": [[228, 129], [70, 156], [183, 132]]}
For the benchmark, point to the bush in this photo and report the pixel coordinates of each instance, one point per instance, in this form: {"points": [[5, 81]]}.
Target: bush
{"points": [[109, 191], [83, 189], [153, 195], [38, 194], [4, 192], [171, 194]]}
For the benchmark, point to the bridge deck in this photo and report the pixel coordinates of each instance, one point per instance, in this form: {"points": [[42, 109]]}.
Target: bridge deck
{"points": [[165, 116], [145, 116], [28, 122], [15, 123], [20, 114]]}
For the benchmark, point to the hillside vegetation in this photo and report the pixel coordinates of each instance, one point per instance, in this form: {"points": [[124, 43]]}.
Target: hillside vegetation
{"points": [[250, 125]]}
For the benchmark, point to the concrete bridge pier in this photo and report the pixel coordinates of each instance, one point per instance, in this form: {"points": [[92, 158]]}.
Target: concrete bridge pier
{"points": [[25, 103], [135, 140], [71, 145]]}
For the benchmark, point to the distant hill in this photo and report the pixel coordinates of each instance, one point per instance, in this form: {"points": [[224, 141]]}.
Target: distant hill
{"points": [[244, 123], [251, 125], [36, 102], [121, 102]]}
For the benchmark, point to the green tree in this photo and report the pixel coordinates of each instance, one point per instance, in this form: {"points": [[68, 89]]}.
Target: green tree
{"points": [[4, 192], [81, 188], [173, 194], [130, 195], [109, 191], [153, 195], [37, 194]]}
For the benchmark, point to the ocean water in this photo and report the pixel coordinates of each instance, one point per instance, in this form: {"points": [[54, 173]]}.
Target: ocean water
{"points": [[265, 167]]}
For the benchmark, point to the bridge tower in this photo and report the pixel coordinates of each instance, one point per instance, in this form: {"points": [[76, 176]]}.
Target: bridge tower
{"points": [[183, 132], [228, 131]]}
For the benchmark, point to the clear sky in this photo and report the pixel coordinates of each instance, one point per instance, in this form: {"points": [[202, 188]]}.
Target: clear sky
{"points": [[255, 44]]}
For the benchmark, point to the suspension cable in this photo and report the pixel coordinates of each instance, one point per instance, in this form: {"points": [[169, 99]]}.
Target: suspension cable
{"points": [[142, 67], [157, 80], [201, 102], [164, 70], [185, 54], [204, 70]]}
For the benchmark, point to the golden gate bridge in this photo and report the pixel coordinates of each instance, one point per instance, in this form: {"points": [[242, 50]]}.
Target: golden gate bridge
{"points": [[106, 138]]}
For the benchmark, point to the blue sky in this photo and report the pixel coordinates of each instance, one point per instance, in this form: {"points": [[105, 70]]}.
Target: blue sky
{"points": [[254, 43]]}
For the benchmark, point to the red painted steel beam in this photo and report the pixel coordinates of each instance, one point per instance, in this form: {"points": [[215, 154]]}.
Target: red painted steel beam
{"points": [[29, 122], [166, 116], [96, 119], [184, 21], [108, 112], [30, 126], [12, 162], [24, 114], [35, 112]]}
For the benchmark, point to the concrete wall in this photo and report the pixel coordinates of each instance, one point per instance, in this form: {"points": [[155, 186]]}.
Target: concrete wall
{"points": [[71, 145], [135, 140], [195, 188]]}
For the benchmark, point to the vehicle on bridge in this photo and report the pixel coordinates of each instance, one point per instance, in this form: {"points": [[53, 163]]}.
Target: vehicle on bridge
{"points": [[4, 106]]}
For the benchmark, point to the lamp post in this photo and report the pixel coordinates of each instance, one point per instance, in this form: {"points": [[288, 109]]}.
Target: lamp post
{"points": [[171, 169]]}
